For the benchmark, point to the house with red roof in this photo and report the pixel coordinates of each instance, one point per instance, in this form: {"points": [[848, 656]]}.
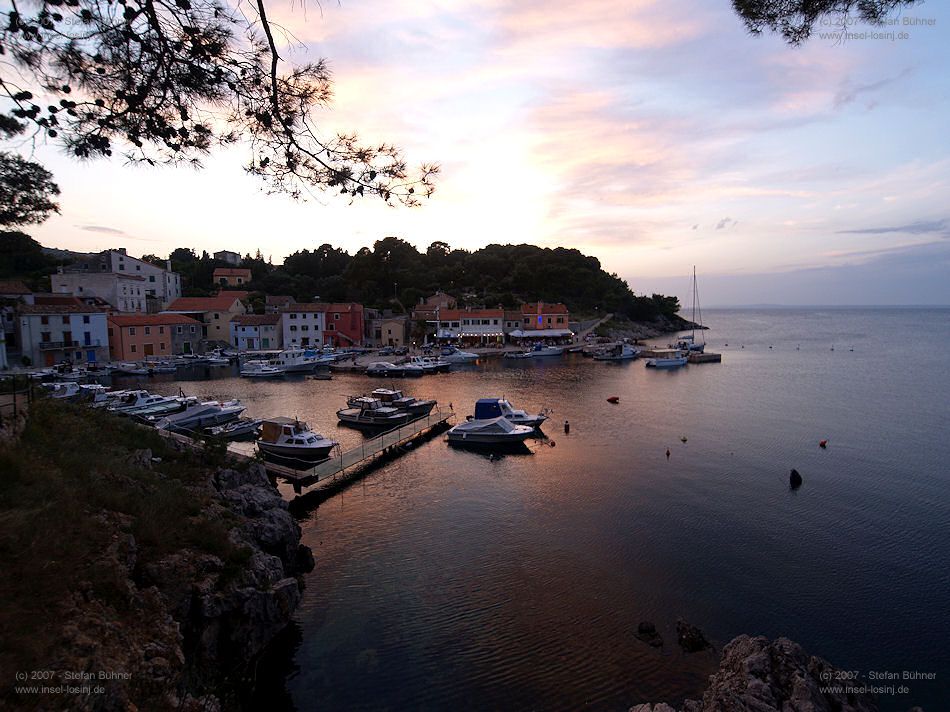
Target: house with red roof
{"points": [[135, 337], [214, 313], [62, 329], [316, 324], [254, 332], [231, 276]]}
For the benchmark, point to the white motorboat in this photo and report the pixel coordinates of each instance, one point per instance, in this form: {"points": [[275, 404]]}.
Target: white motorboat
{"points": [[261, 369], [152, 404], [127, 368], [236, 430], [373, 413], [430, 364], [537, 351], [292, 438], [488, 408], [63, 390], [620, 352], [493, 432], [667, 358], [132, 399], [200, 415], [396, 399], [385, 368], [454, 355], [297, 361]]}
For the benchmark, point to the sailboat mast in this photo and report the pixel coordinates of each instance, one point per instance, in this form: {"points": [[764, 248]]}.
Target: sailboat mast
{"points": [[692, 317]]}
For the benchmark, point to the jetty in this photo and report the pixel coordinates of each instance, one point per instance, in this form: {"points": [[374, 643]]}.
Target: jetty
{"points": [[704, 357], [348, 464]]}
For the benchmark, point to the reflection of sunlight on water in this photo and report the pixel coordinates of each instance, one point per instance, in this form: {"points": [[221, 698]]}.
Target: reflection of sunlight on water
{"points": [[449, 580]]}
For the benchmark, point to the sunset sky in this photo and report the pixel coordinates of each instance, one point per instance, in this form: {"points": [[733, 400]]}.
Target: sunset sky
{"points": [[654, 135]]}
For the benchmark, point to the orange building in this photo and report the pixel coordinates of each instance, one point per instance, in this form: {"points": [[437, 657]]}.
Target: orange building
{"points": [[134, 337], [231, 276]]}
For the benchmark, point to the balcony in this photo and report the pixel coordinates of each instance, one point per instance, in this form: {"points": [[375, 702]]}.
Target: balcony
{"points": [[58, 345]]}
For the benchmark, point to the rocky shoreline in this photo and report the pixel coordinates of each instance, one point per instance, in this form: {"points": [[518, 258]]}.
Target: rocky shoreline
{"points": [[759, 675]]}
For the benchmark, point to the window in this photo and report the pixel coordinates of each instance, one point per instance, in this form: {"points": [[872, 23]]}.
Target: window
{"points": [[122, 268], [131, 331], [44, 320], [293, 327], [138, 268], [192, 330], [148, 331], [133, 348], [330, 327], [336, 316], [293, 316], [177, 329], [161, 330], [65, 319], [217, 316], [305, 327], [45, 336], [151, 278], [161, 345]]}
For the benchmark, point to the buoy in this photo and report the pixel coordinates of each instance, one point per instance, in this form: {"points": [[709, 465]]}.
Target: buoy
{"points": [[794, 479], [567, 428], [667, 453], [683, 439], [613, 399], [823, 444], [553, 444]]}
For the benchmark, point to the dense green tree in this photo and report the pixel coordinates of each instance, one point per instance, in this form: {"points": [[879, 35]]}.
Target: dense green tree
{"points": [[22, 256], [27, 191]]}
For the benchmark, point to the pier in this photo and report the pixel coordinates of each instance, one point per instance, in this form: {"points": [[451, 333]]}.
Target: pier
{"points": [[348, 463]]}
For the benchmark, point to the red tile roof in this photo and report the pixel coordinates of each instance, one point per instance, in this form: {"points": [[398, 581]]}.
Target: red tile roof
{"points": [[232, 272], [150, 319], [255, 319], [79, 308], [222, 302], [545, 308], [322, 307], [56, 299], [13, 286], [278, 299]]}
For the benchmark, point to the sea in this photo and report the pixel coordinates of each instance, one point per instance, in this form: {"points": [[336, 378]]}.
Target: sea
{"points": [[450, 580]]}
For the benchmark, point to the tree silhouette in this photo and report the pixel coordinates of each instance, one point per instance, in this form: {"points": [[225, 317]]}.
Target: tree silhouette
{"points": [[26, 191], [795, 19], [165, 81]]}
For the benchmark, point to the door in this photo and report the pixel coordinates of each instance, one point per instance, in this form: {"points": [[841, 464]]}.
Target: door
{"points": [[50, 361], [186, 347], [265, 343], [149, 349], [251, 345], [91, 356]]}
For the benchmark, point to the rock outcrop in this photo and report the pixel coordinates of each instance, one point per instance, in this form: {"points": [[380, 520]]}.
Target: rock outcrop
{"points": [[188, 621], [758, 675]]}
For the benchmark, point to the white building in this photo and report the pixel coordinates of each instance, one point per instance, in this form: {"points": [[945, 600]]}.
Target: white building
{"points": [[232, 258], [303, 325], [53, 333], [161, 286], [125, 292], [254, 332]]}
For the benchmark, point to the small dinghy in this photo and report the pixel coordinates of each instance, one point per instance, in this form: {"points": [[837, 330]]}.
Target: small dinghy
{"points": [[237, 430]]}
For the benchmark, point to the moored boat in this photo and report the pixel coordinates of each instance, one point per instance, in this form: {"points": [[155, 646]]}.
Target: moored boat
{"points": [[667, 358], [489, 408], [371, 412], [454, 355], [396, 399], [293, 439], [620, 352], [494, 432], [200, 415], [261, 369]]}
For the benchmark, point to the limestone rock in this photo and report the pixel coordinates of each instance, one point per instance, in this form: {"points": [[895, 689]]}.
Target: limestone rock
{"points": [[648, 633], [690, 638]]}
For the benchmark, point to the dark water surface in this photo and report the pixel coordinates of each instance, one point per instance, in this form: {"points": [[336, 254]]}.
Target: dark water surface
{"points": [[447, 581]]}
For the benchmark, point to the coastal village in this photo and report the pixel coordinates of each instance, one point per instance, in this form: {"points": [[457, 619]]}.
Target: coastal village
{"points": [[115, 307]]}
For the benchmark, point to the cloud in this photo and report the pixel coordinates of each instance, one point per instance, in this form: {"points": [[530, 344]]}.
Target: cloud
{"points": [[848, 93], [726, 222], [921, 227], [102, 228]]}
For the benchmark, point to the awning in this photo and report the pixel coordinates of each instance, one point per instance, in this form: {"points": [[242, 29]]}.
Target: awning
{"points": [[540, 333]]}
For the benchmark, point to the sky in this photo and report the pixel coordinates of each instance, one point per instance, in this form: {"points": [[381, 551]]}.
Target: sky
{"points": [[655, 135]]}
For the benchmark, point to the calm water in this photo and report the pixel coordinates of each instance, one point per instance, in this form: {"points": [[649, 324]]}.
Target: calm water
{"points": [[448, 581]]}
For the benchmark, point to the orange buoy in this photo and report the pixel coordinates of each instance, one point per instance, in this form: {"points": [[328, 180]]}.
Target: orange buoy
{"points": [[613, 399], [823, 444]]}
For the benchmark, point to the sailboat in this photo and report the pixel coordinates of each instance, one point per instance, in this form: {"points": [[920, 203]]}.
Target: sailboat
{"points": [[688, 343]]}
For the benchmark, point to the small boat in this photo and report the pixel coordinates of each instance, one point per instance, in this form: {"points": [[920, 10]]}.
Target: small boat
{"points": [[620, 352], [126, 368], [613, 399], [236, 430], [200, 415], [384, 368], [488, 408], [371, 412], [161, 367], [153, 404], [515, 355], [396, 399], [292, 438], [494, 431], [454, 355], [537, 351], [173, 405], [132, 399], [297, 361], [62, 391], [667, 358], [261, 369], [431, 364]]}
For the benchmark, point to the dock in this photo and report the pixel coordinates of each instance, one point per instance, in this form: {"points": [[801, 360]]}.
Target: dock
{"points": [[704, 357], [345, 465]]}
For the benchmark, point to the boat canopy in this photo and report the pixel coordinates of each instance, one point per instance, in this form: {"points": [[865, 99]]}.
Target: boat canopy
{"points": [[540, 333], [488, 408]]}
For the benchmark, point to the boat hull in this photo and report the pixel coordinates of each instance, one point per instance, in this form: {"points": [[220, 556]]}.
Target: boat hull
{"points": [[296, 452]]}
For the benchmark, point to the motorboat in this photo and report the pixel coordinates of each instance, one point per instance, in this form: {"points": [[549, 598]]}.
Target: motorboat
{"points": [[152, 405], [217, 357], [620, 352], [488, 408], [200, 415], [537, 351], [133, 399], [172, 405], [297, 361], [385, 368], [431, 364], [371, 412], [127, 368], [667, 358], [261, 369], [492, 432], [236, 430], [396, 399], [454, 355], [65, 390], [292, 438], [161, 367]]}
